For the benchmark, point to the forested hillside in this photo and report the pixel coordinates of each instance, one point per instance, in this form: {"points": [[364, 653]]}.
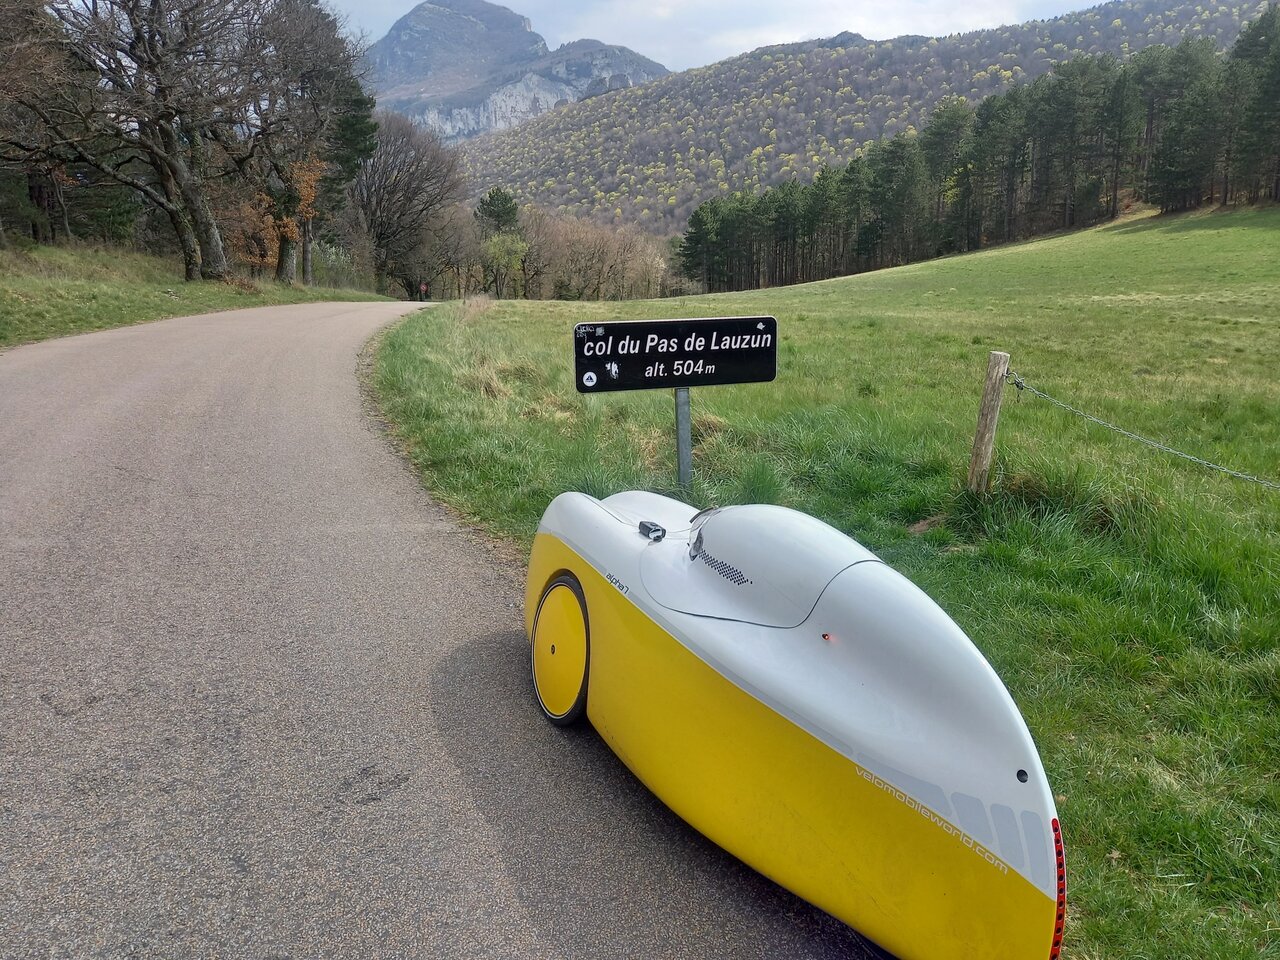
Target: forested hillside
{"points": [[1175, 127], [650, 155]]}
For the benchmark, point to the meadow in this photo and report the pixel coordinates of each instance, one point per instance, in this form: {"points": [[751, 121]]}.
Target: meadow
{"points": [[55, 291], [1130, 599]]}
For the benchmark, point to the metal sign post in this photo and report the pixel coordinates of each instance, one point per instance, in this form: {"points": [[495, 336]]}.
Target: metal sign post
{"points": [[684, 439], [679, 354]]}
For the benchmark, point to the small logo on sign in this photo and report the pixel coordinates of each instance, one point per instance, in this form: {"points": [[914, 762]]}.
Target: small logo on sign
{"points": [[589, 379]]}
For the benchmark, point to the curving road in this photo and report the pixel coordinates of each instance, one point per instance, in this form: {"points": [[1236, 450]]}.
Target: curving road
{"points": [[260, 697]]}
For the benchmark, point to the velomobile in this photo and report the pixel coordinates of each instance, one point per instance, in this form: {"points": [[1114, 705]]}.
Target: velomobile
{"points": [[807, 708]]}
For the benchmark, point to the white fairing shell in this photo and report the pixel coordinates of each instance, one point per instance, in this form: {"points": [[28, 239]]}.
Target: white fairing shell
{"points": [[817, 628], [759, 564]]}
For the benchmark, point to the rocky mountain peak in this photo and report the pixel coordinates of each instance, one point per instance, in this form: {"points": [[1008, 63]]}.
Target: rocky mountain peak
{"points": [[466, 67], [444, 46]]}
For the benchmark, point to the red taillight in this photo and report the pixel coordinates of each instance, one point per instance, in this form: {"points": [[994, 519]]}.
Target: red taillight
{"points": [[1061, 859]]}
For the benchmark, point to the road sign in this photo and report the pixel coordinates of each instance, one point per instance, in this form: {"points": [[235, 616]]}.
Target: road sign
{"points": [[655, 354]]}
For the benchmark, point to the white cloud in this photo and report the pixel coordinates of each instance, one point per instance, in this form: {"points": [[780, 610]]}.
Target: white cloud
{"points": [[697, 32]]}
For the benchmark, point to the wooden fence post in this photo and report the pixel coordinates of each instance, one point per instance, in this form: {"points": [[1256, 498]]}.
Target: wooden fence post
{"points": [[984, 441]]}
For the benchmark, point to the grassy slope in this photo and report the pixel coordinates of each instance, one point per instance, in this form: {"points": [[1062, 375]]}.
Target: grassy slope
{"points": [[51, 292], [1128, 599]]}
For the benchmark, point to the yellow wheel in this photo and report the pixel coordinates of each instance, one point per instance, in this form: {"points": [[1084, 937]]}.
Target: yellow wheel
{"points": [[561, 651]]}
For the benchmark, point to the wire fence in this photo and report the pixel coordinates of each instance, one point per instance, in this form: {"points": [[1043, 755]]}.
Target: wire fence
{"points": [[1023, 386]]}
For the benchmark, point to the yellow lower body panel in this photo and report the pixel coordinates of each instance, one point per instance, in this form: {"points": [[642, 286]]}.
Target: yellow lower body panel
{"points": [[784, 802]]}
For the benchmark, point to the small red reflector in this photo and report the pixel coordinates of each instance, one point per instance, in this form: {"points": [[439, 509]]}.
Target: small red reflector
{"points": [[1061, 859]]}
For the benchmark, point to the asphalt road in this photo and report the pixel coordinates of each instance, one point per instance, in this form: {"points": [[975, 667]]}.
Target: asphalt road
{"points": [[260, 697]]}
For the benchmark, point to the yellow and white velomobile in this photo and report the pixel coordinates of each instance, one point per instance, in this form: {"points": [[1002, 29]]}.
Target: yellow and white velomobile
{"points": [[808, 709]]}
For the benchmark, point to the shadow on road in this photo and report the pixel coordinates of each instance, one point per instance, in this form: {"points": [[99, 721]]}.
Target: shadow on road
{"points": [[603, 867]]}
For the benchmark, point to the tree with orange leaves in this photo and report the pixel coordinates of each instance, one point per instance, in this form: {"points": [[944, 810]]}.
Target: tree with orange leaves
{"points": [[288, 150]]}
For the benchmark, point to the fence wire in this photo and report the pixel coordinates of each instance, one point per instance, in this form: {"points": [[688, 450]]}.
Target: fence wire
{"points": [[1022, 386]]}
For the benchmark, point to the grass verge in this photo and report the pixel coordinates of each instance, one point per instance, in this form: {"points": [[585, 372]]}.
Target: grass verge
{"points": [[1130, 601], [55, 291]]}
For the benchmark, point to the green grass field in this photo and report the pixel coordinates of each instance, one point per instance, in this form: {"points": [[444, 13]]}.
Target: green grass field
{"points": [[55, 291], [1130, 600]]}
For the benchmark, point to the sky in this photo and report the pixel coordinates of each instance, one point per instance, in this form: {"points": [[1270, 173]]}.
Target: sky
{"points": [[692, 33]]}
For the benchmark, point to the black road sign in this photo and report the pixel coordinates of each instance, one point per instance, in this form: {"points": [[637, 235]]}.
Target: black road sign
{"points": [[652, 354]]}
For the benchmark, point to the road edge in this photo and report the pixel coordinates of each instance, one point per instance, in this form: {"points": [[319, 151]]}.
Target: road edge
{"points": [[504, 550]]}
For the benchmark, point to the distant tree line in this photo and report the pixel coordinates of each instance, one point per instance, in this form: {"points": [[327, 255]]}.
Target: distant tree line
{"points": [[238, 135], [507, 251], [1175, 127]]}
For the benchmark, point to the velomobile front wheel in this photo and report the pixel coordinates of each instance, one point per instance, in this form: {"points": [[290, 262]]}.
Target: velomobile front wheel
{"points": [[561, 651]]}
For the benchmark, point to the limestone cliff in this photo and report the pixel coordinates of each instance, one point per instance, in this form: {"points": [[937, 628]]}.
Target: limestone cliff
{"points": [[467, 67]]}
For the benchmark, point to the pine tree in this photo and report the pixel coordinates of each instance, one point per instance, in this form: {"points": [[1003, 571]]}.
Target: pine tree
{"points": [[944, 145], [1259, 151], [1184, 163], [498, 212]]}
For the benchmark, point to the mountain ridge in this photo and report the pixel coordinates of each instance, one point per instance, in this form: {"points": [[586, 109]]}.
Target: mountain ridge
{"points": [[651, 155]]}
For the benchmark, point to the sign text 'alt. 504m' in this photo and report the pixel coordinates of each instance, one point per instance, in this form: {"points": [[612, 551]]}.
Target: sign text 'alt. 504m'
{"points": [[654, 354]]}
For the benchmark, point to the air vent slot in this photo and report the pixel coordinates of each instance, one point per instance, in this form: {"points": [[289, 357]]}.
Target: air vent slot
{"points": [[726, 570]]}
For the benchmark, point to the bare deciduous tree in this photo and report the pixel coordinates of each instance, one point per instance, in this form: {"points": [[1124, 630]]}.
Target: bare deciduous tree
{"points": [[280, 138], [160, 82], [402, 192]]}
